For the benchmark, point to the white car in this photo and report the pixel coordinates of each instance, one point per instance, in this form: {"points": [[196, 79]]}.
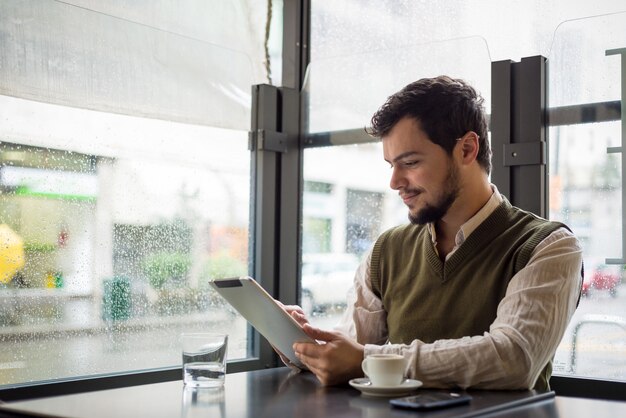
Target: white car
{"points": [[326, 279]]}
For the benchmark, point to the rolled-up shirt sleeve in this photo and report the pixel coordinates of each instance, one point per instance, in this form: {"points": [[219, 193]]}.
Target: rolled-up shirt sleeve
{"points": [[531, 320]]}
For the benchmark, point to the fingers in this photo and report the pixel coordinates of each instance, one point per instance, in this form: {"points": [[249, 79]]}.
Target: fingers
{"points": [[311, 356], [319, 334], [308, 350], [315, 356], [336, 360], [289, 308], [295, 311], [300, 318], [320, 362], [293, 308]]}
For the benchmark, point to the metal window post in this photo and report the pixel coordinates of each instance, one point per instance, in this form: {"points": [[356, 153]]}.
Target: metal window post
{"points": [[519, 132], [296, 58], [275, 197], [277, 172], [622, 53]]}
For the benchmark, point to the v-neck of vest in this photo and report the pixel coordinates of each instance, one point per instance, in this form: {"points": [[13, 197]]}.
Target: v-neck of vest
{"points": [[490, 228]]}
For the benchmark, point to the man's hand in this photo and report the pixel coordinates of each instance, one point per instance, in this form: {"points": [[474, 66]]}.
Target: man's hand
{"points": [[298, 314], [295, 311], [336, 360]]}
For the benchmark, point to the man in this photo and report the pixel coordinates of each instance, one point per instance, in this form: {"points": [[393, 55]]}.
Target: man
{"points": [[473, 292]]}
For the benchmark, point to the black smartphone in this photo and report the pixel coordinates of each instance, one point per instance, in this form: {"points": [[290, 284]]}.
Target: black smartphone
{"points": [[436, 400]]}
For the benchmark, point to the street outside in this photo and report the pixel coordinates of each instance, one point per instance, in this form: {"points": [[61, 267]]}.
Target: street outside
{"points": [[601, 348], [145, 344]]}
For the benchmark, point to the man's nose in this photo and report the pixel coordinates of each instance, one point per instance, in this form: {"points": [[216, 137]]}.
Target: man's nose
{"points": [[397, 179]]}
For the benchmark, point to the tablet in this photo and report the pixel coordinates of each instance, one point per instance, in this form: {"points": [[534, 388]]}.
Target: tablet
{"points": [[263, 313]]}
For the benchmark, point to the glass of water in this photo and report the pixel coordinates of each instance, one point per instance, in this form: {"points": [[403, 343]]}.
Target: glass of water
{"points": [[204, 359]]}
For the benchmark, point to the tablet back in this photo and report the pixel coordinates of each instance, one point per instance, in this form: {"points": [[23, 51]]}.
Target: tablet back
{"points": [[263, 313]]}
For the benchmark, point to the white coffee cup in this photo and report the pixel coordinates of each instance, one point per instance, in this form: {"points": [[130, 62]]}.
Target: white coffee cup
{"points": [[384, 369]]}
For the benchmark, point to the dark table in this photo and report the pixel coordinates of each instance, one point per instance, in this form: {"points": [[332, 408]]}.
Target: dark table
{"points": [[280, 393]]}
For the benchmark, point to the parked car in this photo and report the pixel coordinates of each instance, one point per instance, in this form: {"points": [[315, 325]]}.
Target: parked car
{"points": [[326, 279], [603, 277]]}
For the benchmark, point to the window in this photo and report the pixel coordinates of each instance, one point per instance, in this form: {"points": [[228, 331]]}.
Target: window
{"points": [[586, 187], [124, 180], [407, 41], [363, 218], [337, 107], [352, 217]]}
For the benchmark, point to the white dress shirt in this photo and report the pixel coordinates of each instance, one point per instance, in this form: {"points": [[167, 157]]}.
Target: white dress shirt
{"points": [[531, 319]]}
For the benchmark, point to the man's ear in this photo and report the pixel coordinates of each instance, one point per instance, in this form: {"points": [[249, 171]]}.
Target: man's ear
{"points": [[469, 145]]}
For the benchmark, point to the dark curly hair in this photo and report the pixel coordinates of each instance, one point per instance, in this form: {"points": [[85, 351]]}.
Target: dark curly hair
{"points": [[446, 108]]}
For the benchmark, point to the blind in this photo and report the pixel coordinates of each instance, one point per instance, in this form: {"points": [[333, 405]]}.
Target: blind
{"points": [[183, 61]]}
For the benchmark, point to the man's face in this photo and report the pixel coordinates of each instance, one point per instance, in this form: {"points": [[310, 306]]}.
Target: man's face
{"points": [[424, 175]]}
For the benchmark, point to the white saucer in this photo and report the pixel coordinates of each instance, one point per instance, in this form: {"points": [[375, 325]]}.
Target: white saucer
{"points": [[365, 386]]}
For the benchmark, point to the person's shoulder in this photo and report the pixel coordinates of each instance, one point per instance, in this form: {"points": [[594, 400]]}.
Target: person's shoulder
{"points": [[563, 231], [565, 236], [535, 220]]}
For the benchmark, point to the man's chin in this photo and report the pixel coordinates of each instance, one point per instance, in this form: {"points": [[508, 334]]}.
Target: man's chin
{"points": [[417, 219], [426, 215]]}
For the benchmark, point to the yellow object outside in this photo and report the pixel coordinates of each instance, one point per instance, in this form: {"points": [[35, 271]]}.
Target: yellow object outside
{"points": [[54, 280], [11, 253]]}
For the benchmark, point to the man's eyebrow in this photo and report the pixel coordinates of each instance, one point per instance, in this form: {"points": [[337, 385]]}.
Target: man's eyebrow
{"points": [[404, 155]]}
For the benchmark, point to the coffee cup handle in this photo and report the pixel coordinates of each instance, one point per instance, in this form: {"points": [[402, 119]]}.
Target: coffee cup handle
{"points": [[364, 367]]}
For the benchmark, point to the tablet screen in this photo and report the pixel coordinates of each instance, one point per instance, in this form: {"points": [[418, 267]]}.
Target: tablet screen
{"points": [[263, 313]]}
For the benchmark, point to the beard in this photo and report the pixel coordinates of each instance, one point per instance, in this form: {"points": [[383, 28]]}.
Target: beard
{"points": [[434, 212]]}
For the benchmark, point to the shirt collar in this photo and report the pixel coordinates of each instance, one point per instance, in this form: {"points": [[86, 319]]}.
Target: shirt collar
{"points": [[472, 223]]}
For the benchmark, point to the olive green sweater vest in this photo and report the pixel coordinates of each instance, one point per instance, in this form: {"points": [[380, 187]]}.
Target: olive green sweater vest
{"points": [[429, 300]]}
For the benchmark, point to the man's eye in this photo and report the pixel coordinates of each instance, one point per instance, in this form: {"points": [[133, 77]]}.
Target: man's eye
{"points": [[411, 163]]}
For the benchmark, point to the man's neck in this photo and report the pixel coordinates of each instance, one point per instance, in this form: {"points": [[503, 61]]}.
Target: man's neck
{"points": [[445, 238], [464, 208]]}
